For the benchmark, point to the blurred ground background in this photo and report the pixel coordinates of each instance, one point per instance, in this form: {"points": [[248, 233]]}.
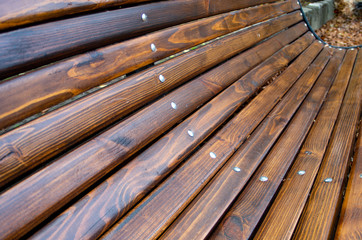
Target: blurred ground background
{"points": [[346, 28]]}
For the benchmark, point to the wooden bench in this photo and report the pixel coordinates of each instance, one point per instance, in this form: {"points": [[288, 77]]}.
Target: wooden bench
{"points": [[182, 119]]}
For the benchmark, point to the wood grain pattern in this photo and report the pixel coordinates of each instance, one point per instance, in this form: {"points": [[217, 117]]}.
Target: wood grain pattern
{"points": [[21, 12], [73, 76], [170, 197], [120, 192], [24, 49], [205, 211], [325, 198], [41, 139], [285, 211], [243, 217], [77, 170], [350, 221]]}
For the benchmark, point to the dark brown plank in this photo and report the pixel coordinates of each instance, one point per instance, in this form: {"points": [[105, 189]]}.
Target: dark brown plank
{"points": [[21, 12], [68, 78], [114, 197], [205, 211], [285, 212], [243, 217], [169, 197], [320, 215], [24, 49], [350, 221], [64, 179], [30, 145]]}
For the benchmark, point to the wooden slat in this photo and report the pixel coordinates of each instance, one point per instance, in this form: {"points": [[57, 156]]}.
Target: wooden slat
{"points": [[350, 221], [21, 12], [68, 78], [165, 154], [24, 49], [63, 180], [168, 200], [285, 212], [201, 216], [319, 217], [30, 145]]}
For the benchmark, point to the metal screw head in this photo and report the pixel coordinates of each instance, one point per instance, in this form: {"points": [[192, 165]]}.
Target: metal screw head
{"points": [[236, 169], [301, 172], [305, 25], [173, 105], [212, 155], [144, 17], [328, 180], [340, 49], [162, 78], [308, 152], [190, 133], [153, 47], [301, 14], [360, 176], [312, 34], [320, 41], [263, 178]]}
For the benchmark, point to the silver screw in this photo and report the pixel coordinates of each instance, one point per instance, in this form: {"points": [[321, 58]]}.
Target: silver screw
{"points": [[360, 176], [153, 47], [308, 152], [301, 172], [212, 155], [305, 25], [173, 105], [301, 14], [340, 49], [190, 133], [144, 17], [263, 179], [236, 169], [162, 78], [328, 180], [312, 34]]}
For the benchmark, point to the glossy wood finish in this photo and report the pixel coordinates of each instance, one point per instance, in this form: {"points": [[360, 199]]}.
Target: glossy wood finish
{"points": [[350, 221], [203, 213], [120, 192], [21, 12], [325, 198], [34, 143], [73, 76], [24, 49], [168, 195], [285, 211], [89, 162]]}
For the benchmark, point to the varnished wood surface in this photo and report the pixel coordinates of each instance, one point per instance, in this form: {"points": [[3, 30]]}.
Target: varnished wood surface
{"points": [[285, 211], [350, 221], [120, 192], [85, 165], [319, 217], [34, 143], [205, 211], [68, 78], [243, 217], [168, 194], [24, 49], [21, 12]]}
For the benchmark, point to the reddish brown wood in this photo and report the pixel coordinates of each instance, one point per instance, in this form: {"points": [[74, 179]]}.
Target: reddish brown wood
{"points": [[68, 78], [350, 221], [21, 12], [24, 49], [34, 143], [120, 192], [208, 207], [285, 212], [88, 163], [319, 217], [170, 197]]}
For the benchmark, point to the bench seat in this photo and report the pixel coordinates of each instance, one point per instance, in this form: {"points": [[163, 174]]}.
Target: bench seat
{"points": [[179, 119]]}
